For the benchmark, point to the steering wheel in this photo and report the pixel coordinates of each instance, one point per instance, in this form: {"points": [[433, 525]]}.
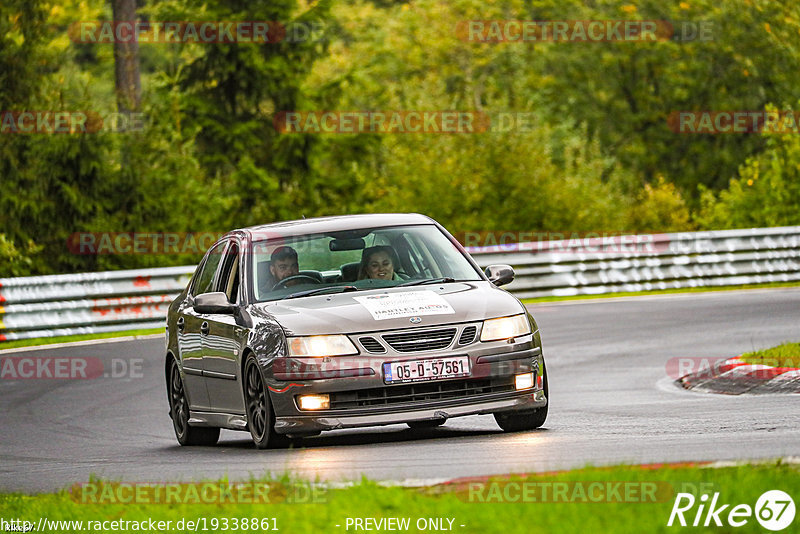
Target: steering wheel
{"points": [[305, 277]]}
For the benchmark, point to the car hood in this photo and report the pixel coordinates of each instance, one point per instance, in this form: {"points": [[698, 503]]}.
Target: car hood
{"points": [[392, 308]]}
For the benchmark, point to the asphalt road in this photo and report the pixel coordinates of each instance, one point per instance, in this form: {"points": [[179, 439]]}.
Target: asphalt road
{"points": [[612, 401]]}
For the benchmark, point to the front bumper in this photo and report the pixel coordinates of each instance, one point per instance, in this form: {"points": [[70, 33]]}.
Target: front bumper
{"points": [[359, 396], [309, 424]]}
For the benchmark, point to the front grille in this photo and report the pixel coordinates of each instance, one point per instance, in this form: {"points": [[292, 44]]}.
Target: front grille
{"points": [[422, 392], [371, 344], [467, 335], [417, 341]]}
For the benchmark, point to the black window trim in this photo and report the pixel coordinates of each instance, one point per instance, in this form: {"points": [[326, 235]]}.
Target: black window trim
{"points": [[224, 266], [199, 271]]}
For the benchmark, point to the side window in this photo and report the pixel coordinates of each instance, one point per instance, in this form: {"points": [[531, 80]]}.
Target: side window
{"points": [[205, 278], [229, 275], [417, 255]]}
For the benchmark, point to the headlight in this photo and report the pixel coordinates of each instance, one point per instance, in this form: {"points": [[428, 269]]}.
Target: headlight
{"points": [[505, 328], [336, 345]]}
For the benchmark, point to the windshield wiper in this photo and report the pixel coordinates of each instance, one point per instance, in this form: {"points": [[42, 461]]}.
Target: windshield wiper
{"points": [[442, 280], [320, 290]]}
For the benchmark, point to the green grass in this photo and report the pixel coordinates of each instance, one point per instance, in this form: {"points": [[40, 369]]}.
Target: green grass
{"points": [[78, 337], [662, 292], [460, 502], [785, 355]]}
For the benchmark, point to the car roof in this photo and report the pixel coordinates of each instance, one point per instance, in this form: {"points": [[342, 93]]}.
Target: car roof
{"points": [[337, 223]]}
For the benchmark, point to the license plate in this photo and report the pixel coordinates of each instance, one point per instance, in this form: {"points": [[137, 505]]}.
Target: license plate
{"points": [[423, 370]]}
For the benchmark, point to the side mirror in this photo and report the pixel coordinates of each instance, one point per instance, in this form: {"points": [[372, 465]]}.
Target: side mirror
{"points": [[216, 302], [499, 275]]}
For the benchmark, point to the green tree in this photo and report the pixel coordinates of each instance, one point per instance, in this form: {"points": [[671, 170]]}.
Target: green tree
{"points": [[626, 91], [229, 93], [52, 183], [766, 193]]}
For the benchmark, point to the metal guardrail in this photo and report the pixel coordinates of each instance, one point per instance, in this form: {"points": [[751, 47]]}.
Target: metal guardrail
{"points": [[87, 303], [42, 306], [592, 266]]}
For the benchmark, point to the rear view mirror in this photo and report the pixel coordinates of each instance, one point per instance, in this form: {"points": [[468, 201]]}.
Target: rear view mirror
{"points": [[499, 275], [216, 302], [349, 243]]}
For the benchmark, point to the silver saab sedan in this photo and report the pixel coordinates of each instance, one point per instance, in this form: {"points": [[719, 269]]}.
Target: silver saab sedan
{"points": [[292, 328]]}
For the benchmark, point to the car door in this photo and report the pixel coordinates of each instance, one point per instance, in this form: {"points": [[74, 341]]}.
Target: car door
{"points": [[190, 337], [222, 338]]}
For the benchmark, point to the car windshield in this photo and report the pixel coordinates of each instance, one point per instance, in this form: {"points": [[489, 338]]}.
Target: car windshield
{"points": [[355, 260]]}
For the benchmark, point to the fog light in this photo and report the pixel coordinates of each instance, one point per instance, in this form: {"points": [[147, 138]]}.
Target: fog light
{"points": [[524, 381], [314, 402]]}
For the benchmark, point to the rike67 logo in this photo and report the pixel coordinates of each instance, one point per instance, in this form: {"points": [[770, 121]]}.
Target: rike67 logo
{"points": [[774, 510]]}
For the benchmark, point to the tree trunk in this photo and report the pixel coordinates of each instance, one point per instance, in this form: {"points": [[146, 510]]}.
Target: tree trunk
{"points": [[126, 58]]}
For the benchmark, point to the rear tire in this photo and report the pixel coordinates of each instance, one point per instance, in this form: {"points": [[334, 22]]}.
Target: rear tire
{"points": [[430, 423], [179, 412], [527, 419], [260, 417]]}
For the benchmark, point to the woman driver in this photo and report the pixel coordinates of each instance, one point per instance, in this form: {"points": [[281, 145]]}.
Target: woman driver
{"points": [[378, 263]]}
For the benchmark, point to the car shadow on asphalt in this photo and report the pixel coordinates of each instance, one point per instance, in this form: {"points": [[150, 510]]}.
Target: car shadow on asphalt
{"points": [[343, 438]]}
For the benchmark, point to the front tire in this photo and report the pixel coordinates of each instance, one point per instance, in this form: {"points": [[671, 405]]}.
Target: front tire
{"points": [[179, 412], [260, 417], [528, 419]]}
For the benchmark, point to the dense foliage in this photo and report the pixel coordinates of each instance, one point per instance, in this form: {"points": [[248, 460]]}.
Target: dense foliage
{"points": [[596, 152]]}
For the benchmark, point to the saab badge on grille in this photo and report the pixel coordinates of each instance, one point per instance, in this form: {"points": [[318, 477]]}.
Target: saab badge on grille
{"points": [[415, 320]]}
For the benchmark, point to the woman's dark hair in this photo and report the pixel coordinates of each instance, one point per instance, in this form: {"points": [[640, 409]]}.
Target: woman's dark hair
{"points": [[367, 253]]}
